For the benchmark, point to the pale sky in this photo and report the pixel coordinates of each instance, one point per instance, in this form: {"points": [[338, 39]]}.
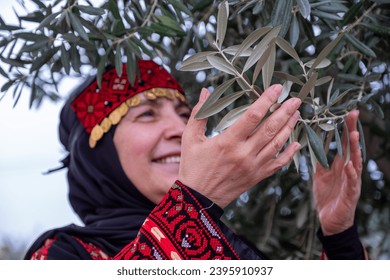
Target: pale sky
{"points": [[30, 202]]}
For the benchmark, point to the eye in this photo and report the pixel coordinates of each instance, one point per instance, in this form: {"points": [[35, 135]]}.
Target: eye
{"points": [[184, 113], [146, 114]]}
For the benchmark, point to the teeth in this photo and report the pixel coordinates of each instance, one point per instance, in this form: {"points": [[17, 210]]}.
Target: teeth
{"points": [[169, 160]]}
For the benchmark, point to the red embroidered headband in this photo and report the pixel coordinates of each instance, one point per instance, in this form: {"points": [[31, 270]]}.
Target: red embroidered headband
{"points": [[99, 108]]}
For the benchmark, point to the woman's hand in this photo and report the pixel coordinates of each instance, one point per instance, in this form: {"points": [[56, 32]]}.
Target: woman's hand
{"points": [[337, 190], [223, 167]]}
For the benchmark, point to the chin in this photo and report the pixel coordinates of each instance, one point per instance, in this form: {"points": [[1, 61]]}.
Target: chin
{"points": [[168, 175], [171, 179]]}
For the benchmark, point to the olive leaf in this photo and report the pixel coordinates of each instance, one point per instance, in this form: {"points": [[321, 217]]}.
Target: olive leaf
{"points": [[91, 10], [294, 31], [323, 80], [65, 59], [251, 39], [304, 8], [284, 45], [325, 52], [336, 97], [260, 48], [317, 146], [223, 15], [130, 67], [221, 64], [218, 92], [220, 104], [360, 46], [231, 117], [232, 50], [313, 158], [196, 58], [260, 64], [306, 88], [293, 138], [285, 91], [362, 140], [326, 126], [322, 64], [281, 15], [338, 141], [77, 26], [118, 60], [269, 66]]}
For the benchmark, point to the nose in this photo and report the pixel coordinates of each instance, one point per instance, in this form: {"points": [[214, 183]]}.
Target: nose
{"points": [[174, 126]]}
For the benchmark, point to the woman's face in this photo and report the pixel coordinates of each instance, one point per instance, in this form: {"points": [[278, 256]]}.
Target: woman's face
{"points": [[148, 142]]}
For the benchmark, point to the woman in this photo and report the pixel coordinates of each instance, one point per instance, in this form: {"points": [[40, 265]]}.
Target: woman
{"points": [[128, 144]]}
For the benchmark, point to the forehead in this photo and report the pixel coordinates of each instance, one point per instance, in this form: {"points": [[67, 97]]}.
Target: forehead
{"points": [[159, 101]]}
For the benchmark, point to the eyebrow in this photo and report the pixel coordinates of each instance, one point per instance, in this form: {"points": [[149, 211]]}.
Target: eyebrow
{"points": [[156, 103]]}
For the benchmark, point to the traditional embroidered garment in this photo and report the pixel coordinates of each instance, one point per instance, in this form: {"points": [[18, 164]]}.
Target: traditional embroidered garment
{"points": [[119, 222], [179, 217]]}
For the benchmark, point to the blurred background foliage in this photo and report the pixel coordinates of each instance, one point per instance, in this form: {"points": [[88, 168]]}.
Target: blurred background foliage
{"points": [[57, 39]]}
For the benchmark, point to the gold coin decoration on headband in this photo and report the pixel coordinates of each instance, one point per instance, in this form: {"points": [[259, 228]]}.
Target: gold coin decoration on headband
{"points": [[150, 95], [92, 143], [106, 124], [180, 97], [97, 132], [134, 101], [160, 92], [170, 95], [117, 114], [123, 109]]}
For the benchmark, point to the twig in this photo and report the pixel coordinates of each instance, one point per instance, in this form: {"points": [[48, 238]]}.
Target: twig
{"points": [[323, 119], [352, 25], [237, 74]]}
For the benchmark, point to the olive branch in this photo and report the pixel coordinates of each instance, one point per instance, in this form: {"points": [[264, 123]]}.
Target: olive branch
{"points": [[320, 118]]}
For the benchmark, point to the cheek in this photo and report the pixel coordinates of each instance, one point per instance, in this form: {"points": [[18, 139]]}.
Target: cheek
{"points": [[133, 146]]}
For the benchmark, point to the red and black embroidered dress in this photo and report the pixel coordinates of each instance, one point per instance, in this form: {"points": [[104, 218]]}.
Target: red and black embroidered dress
{"points": [[121, 223]]}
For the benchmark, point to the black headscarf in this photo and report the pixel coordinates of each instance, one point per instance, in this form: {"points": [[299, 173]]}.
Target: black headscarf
{"points": [[111, 208]]}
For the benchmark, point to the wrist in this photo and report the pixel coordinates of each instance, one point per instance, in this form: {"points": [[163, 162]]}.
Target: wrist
{"points": [[207, 191]]}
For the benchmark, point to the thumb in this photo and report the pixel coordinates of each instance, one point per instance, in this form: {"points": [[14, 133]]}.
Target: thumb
{"points": [[197, 126]]}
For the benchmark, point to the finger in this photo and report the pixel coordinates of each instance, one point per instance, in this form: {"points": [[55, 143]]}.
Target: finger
{"points": [[356, 154], [274, 145], [351, 120], [352, 188], [245, 125], [196, 127], [351, 127], [285, 117], [273, 165]]}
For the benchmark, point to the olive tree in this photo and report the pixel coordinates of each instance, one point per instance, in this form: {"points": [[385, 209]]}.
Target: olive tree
{"points": [[331, 54]]}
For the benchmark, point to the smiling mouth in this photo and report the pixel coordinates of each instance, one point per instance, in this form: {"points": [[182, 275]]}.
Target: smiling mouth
{"points": [[173, 159]]}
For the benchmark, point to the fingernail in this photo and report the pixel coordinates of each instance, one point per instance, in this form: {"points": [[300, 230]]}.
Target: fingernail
{"points": [[297, 102], [203, 94], [277, 89], [296, 115]]}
